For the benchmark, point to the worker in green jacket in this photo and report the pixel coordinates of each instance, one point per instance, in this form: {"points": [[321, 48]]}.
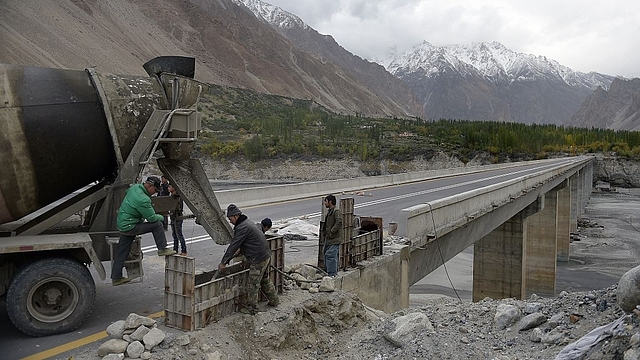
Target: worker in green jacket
{"points": [[134, 210]]}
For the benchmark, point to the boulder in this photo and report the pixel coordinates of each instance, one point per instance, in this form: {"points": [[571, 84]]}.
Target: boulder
{"points": [[112, 346], [116, 330], [506, 315], [154, 337], [135, 350], [134, 321], [628, 295], [407, 328]]}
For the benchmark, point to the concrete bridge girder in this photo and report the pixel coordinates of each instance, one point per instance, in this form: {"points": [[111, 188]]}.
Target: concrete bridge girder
{"points": [[548, 230]]}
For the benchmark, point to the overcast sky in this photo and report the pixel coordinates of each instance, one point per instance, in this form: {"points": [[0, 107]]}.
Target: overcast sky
{"points": [[585, 35]]}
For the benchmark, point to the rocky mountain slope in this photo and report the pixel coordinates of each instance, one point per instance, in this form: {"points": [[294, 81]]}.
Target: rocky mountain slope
{"points": [[371, 74], [486, 81], [617, 108], [231, 45]]}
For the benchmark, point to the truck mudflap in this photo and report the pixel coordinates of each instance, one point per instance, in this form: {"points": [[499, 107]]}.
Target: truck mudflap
{"points": [[194, 188]]}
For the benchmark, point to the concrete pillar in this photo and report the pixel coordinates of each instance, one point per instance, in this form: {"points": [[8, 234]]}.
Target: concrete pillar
{"points": [[405, 258], [587, 183], [564, 223], [573, 188], [580, 194], [497, 261], [540, 249]]}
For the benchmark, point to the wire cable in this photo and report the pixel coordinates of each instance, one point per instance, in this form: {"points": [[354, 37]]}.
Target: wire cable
{"points": [[444, 265], [294, 248]]}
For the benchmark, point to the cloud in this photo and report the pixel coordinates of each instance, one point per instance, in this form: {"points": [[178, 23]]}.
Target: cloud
{"points": [[585, 35]]}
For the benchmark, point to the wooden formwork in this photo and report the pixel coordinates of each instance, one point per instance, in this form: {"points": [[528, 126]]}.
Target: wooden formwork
{"points": [[369, 242], [194, 301], [276, 245], [348, 218], [365, 246]]}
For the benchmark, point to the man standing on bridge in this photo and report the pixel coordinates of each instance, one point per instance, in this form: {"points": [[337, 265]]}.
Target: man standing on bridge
{"points": [[134, 210]]}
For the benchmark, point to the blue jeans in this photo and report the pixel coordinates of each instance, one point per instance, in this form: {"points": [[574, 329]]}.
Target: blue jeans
{"points": [[176, 233], [331, 259]]}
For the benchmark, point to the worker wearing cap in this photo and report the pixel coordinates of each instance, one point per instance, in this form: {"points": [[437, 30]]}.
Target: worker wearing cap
{"points": [[252, 243], [134, 210]]}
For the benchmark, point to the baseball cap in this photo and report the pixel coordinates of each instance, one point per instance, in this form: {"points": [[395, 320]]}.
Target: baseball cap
{"points": [[155, 181]]}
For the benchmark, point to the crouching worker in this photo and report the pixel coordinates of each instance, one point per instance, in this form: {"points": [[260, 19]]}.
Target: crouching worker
{"points": [[134, 210], [252, 243]]}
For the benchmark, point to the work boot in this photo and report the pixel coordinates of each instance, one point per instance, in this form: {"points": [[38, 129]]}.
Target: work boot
{"points": [[184, 253], [116, 282], [166, 252], [270, 291], [250, 310]]}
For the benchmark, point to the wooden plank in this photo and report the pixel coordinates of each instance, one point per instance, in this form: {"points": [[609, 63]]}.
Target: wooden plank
{"points": [[218, 300], [179, 284]]}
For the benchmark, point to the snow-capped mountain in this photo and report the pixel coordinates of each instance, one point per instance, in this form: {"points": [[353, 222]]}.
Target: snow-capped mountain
{"points": [[487, 81], [493, 61], [274, 15], [479, 81]]}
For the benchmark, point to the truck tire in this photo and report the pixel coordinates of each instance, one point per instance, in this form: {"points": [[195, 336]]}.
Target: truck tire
{"points": [[51, 296]]}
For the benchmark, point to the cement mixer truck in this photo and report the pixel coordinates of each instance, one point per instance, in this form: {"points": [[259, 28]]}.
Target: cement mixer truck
{"points": [[71, 143]]}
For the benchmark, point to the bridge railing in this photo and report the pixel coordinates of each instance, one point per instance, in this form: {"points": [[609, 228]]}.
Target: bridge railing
{"points": [[275, 193], [423, 223]]}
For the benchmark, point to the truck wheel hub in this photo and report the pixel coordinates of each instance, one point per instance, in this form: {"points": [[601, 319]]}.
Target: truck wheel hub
{"points": [[52, 299]]}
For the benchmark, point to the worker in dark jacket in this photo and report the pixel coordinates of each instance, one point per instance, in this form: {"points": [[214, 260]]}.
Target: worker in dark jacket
{"points": [[164, 191], [265, 225], [332, 235], [252, 243], [134, 210], [177, 217]]}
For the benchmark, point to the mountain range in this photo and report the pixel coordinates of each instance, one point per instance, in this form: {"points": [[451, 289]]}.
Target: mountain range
{"points": [[479, 81], [487, 81], [251, 44]]}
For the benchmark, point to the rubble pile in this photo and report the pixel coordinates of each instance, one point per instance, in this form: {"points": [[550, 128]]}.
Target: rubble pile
{"points": [[336, 325], [134, 338], [307, 277], [537, 328], [587, 223]]}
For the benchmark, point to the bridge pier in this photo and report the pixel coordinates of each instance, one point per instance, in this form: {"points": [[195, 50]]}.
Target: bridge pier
{"points": [[564, 221], [540, 250], [497, 261], [518, 258]]}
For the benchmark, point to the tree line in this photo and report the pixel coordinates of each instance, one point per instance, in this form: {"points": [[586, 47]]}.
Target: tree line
{"points": [[239, 122]]}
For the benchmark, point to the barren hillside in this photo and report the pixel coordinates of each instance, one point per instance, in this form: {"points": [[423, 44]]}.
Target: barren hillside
{"points": [[231, 45]]}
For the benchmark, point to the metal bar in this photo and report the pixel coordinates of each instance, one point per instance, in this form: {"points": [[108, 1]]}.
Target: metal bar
{"points": [[62, 211]]}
